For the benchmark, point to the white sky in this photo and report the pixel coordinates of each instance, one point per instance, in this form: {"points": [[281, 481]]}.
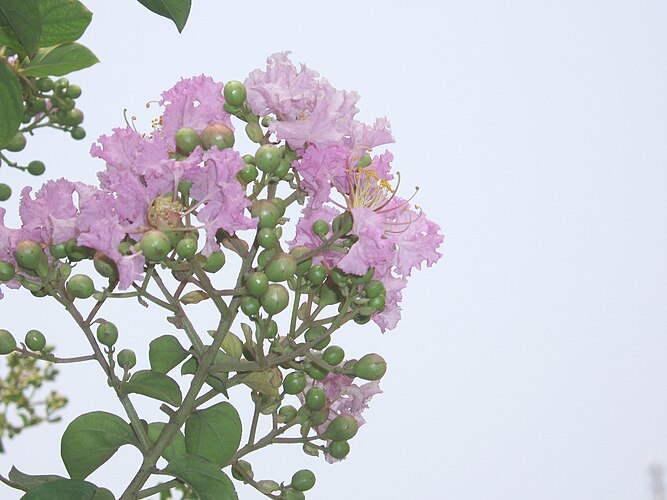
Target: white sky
{"points": [[530, 362]]}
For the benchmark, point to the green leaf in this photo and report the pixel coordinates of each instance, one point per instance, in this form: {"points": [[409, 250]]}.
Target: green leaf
{"points": [[166, 352], [91, 439], [208, 481], [176, 10], [214, 433], [266, 381], [176, 448], [62, 21], [155, 385], [232, 345], [11, 104], [22, 18], [26, 482], [59, 60], [68, 488]]}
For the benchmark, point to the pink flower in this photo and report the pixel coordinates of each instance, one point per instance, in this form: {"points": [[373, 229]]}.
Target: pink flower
{"points": [[320, 167], [372, 249]]}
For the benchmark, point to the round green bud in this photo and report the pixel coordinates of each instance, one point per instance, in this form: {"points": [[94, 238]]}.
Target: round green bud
{"points": [[265, 256], [271, 329], [7, 271], [318, 417], [107, 333], [235, 93], [214, 262], [287, 414], [275, 299], [317, 274], [333, 355], [267, 212], [370, 367], [303, 480], [315, 332], [321, 227], [77, 252], [302, 267], [280, 205], [105, 266], [36, 167], [281, 267], [257, 284], [73, 91], [218, 135], [282, 169], [342, 428], [80, 286], [254, 132], [35, 340], [377, 303], [16, 143], [374, 288], [316, 398], [61, 83], [250, 306], [44, 84], [186, 248], [66, 104], [127, 359], [187, 139], [248, 173], [5, 191], [240, 468], [37, 106], [28, 254], [267, 238], [58, 251], [265, 121], [316, 372], [338, 449], [294, 383], [249, 159], [7, 342], [342, 224], [155, 245], [78, 133], [267, 158], [74, 117]]}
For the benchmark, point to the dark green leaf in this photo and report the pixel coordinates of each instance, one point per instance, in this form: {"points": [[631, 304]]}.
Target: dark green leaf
{"points": [[165, 353], [59, 60], [208, 481], [11, 104], [68, 488], [214, 433], [155, 385], [176, 10], [26, 482], [176, 448], [91, 439], [62, 21], [22, 17]]}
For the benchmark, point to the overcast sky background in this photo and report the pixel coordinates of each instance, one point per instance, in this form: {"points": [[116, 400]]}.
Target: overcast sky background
{"points": [[530, 361]]}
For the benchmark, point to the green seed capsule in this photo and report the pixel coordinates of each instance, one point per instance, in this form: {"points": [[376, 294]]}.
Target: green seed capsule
{"points": [[35, 340], [127, 359], [234, 93], [5, 192], [7, 342], [187, 139]]}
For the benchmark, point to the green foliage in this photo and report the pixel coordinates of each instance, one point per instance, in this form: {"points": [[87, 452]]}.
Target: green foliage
{"points": [[214, 433], [91, 439], [165, 352], [11, 103], [155, 385], [26, 482], [20, 24], [176, 10], [19, 393], [68, 488], [62, 21], [176, 448], [59, 60], [205, 478]]}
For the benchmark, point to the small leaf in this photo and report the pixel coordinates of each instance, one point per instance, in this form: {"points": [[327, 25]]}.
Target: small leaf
{"points": [[27, 482], [176, 10], [23, 20], [11, 104], [194, 297], [267, 381], [176, 448], [68, 488], [60, 60], [91, 439], [232, 345], [208, 481], [62, 21], [165, 352], [155, 385], [214, 433]]}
